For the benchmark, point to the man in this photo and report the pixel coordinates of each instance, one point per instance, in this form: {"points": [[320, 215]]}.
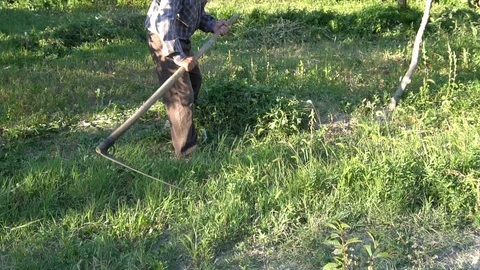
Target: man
{"points": [[170, 25]]}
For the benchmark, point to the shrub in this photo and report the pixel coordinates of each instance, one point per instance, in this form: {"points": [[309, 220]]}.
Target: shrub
{"points": [[94, 28], [235, 107]]}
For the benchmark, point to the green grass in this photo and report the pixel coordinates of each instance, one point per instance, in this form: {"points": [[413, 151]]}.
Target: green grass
{"points": [[269, 178]]}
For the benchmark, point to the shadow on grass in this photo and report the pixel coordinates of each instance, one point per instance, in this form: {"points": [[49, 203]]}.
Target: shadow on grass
{"points": [[60, 38]]}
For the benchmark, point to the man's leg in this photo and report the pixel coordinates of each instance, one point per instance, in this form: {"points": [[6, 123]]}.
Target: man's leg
{"points": [[196, 79], [179, 104], [178, 100]]}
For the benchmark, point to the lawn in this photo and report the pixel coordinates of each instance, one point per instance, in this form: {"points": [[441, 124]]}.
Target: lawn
{"points": [[299, 166]]}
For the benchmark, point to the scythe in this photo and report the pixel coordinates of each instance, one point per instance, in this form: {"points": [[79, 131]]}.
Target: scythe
{"points": [[103, 147]]}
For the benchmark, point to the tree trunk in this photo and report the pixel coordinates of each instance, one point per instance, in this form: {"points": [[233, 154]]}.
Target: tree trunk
{"points": [[407, 78], [402, 3]]}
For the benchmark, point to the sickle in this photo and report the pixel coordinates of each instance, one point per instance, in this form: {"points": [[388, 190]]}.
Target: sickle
{"points": [[103, 147]]}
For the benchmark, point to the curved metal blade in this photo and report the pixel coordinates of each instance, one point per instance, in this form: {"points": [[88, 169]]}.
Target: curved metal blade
{"points": [[121, 163]]}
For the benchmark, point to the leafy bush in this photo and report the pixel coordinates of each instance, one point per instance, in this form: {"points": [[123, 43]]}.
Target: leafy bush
{"points": [[235, 107], [379, 21], [449, 20], [94, 28], [287, 116]]}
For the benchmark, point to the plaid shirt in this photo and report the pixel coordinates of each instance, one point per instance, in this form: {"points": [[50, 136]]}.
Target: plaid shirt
{"points": [[175, 20]]}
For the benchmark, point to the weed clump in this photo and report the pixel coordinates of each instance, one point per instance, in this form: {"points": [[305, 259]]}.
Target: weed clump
{"points": [[235, 107]]}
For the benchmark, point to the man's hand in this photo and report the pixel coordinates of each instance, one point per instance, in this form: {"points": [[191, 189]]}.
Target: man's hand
{"points": [[188, 63], [221, 27]]}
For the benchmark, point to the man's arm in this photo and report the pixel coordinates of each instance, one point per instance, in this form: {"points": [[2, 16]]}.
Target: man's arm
{"points": [[165, 24], [207, 22]]}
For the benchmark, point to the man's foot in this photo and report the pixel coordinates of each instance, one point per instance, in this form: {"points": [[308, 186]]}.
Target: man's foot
{"points": [[188, 154]]}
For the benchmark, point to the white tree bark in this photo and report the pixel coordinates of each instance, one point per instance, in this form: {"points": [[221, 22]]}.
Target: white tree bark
{"points": [[407, 78]]}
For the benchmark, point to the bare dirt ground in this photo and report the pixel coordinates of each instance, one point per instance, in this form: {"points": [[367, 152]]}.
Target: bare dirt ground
{"points": [[465, 258]]}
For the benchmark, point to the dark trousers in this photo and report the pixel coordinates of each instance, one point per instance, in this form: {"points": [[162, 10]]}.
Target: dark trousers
{"points": [[180, 98]]}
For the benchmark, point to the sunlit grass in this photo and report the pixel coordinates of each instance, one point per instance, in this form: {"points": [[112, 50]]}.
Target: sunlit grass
{"points": [[269, 176]]}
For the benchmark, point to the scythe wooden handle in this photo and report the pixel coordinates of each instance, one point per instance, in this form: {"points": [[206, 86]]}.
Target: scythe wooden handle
{"points": [[103, 147]]}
